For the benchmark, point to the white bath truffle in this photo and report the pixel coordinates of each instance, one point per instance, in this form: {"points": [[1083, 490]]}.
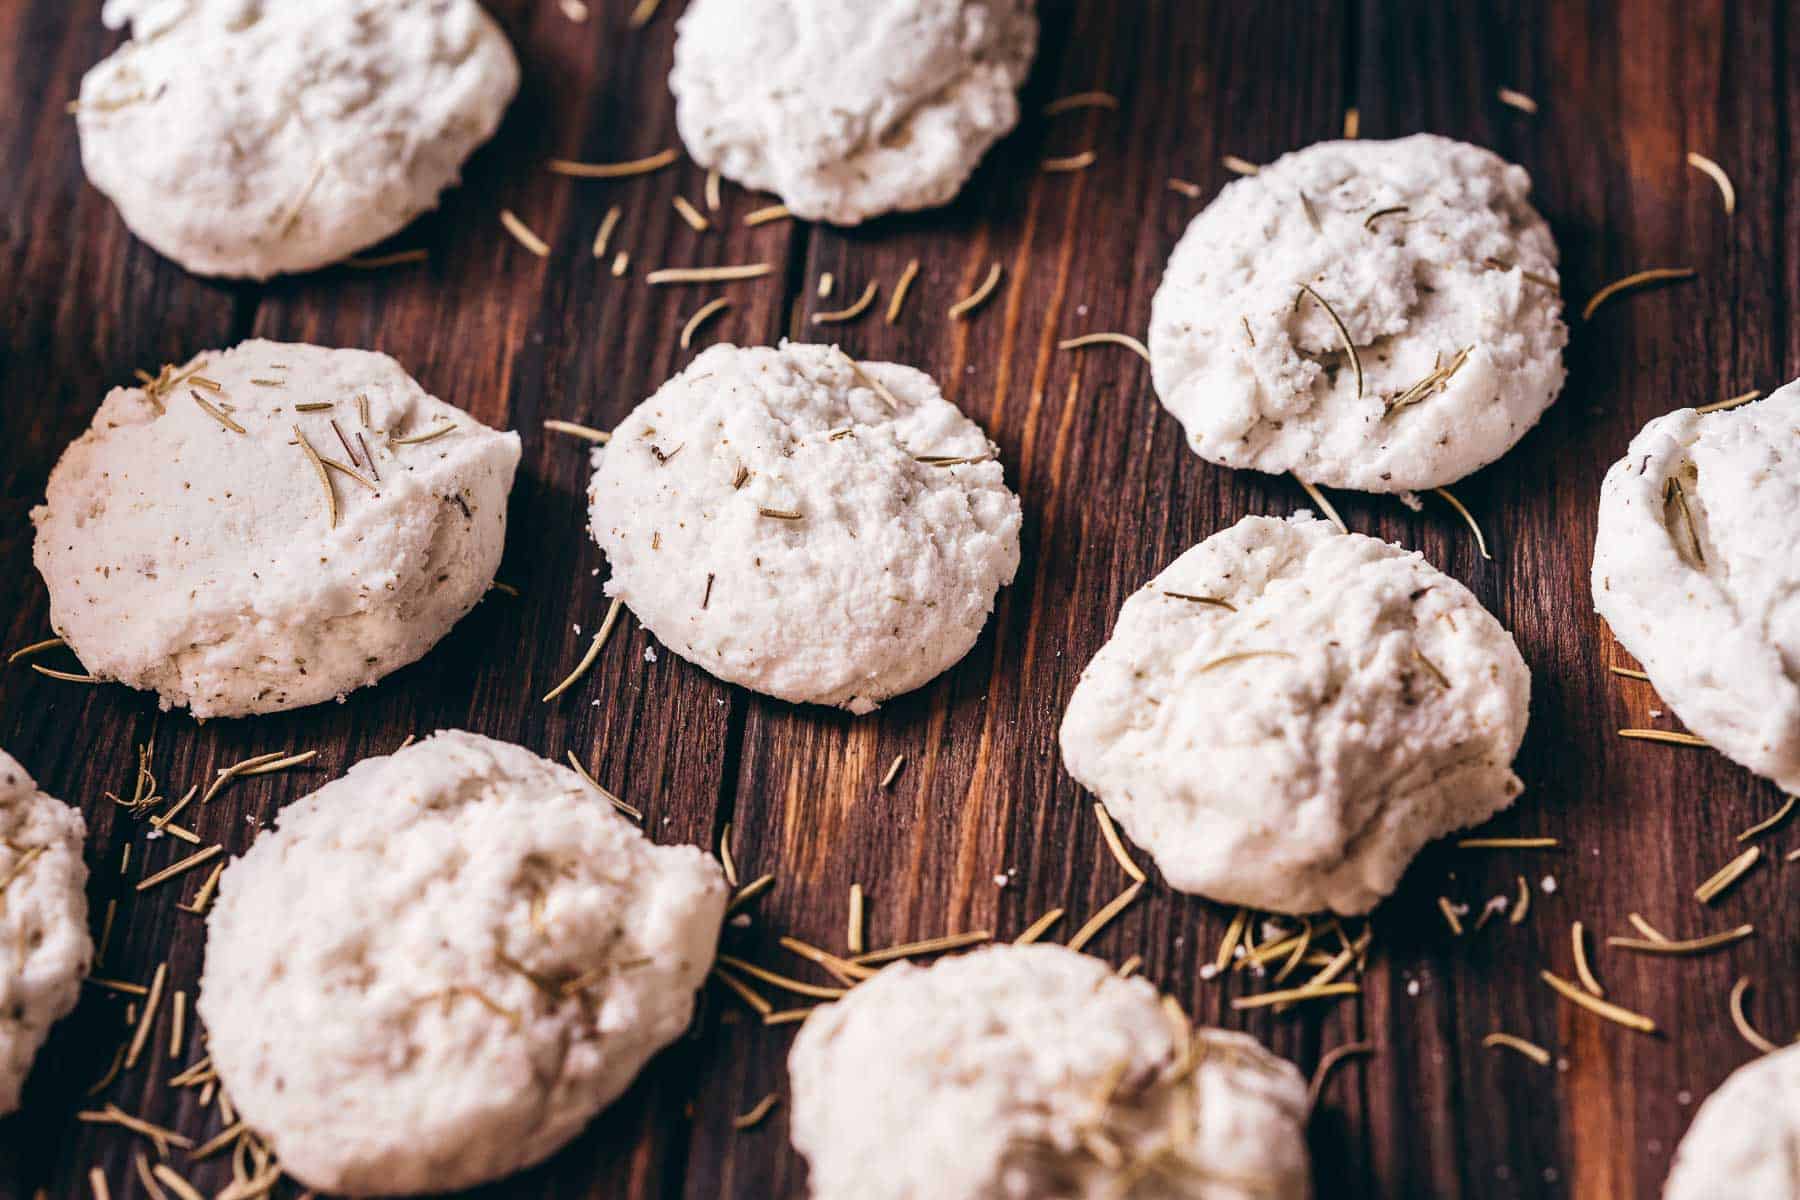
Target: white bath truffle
{"points": [[1742, 1144], [255, 137], [1024, 1072], [193, 552], [45, 951], [438, 968], [1444, 278], [848, 109], [1697, 570], [772, 516], [1287, 713]]}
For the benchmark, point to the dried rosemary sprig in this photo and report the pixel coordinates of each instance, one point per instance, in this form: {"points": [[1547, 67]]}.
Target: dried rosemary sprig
{"points": [[523, 233], [615, 170], [938, 945], [975, 299], [700, 317], [1115, 339], [1704, 164], [1630, 282], [1434, 381], [1531, 1050], [854, 311], [1343, 332]]}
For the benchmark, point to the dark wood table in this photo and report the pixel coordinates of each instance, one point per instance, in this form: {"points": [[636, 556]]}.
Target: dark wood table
{"points": [[1110, 495]]}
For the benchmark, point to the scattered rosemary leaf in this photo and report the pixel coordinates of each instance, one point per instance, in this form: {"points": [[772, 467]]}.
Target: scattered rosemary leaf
{"points": [[151, 1187], [669, 275], [1332, 1057], [636, 814], [954, 941], [204, 896], [523, 233], [279, 763], [1450, 917], [781, 514], [1325, 506], [1733, 402], [1727, 875], [725, 859], [842, 969], [1746, 1030], [893, 771], [785, 983], [856, 922], [580, 431], [1130, 966], [1644, 927], [378, 262], [700, 317], [1518, 100], [1309, 991], [1343, 332], [1699, 945], [1240, 656], [1185, 188], [207, 407], [1583, 972], [603, 235], [1524, 904], [318, 466], [35, 647], [1533, 276], [900, 289], [1506, 843], [1212, 600], [1115, 339], [1111, 833], [1312, 214], [696, 220], [766, 214], [1234, 932], [755, 1115], [1238, 165], [854, 311], [1629, 673], [1104, 917], [175, 868], [175, 1183], [1630, 282], [1468, 517], [1531, 1050], [177, 1023], [1781, 814], [750, 891], [640, 16], [142, 1035], [418, 439], [1352, 124], [713, 199], [1369, 221], [1039, 927], [350, 472], [1437, 672], [1081, 100], [1069, 163], [1666, 736], [593, 652], [1704, 164], [620, 264], [974, 300], [615, 170], [320, 406], [789, 1016], [65, 676], [1597, 1006]]}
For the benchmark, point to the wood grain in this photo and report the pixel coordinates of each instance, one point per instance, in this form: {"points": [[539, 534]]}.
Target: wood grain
{"points": [[982, 829]]}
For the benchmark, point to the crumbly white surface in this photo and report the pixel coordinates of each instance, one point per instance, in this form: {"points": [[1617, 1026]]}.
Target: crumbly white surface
{"points": [[435, 970], [1718, 632], [1025, 1072], [848, 109], [255, 137], [1256, 371], [888, 569], [1744, 1143], [198, 562], [45, 950], [1294, 751]]}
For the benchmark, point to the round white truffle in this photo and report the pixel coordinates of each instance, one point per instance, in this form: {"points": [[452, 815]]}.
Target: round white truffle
{"points": [[1742, 1144], [255, 137], [1029, 1071], [189, 547], [435, 970], [1444, 279], [1697, 566], [45, 951], [848, 109], [817, 529], [1287, 713]]}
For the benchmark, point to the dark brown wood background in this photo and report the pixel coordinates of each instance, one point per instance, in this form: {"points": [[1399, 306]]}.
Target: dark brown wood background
{"points": [[1110, 496]]}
